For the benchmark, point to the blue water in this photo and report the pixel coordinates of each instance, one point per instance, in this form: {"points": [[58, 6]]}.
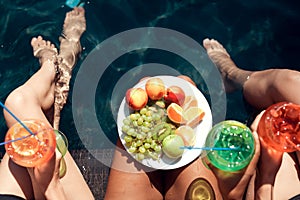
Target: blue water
{"points": [[258, 35]]}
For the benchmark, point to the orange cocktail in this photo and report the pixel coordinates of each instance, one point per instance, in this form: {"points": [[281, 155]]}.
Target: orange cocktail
{"points": [[279, 127], [28, 149]]}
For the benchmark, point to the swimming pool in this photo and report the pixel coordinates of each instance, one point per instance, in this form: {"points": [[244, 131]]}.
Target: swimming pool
{"points": [[258, 35]]}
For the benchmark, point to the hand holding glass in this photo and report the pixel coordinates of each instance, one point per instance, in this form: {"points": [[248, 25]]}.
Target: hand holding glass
{"points": [[32, 149]]}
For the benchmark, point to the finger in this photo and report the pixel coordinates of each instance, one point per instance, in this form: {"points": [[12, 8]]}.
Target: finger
{"points": [[253, 163]]}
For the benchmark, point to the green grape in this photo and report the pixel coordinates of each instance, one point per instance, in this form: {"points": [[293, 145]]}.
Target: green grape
{"points": [[153, 144], [126, 121], [143, 111], [134, 134], [148, 119], [149, 113], [142, 149], [139, 136], [135, 124], [148, 140], [142, 134], [140, 156], [156, 117], [130, 131], [147, 145], [157, 148], [133, 144], [139, 143], [132, 149], [125, 128], [144, 117], [146, 124], [140, 121], [128, 139], [145, 129], [153, 155], [133, 117]]}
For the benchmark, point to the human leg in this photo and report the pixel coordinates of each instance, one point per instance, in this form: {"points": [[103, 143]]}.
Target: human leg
{"points": [[260, 88], [28, 102], [178, 181], [31, 100], [73, 28], [130, 180]]}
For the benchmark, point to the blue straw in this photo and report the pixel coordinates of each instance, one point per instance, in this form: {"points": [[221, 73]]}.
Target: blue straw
{"points": [[210, 148], [9, 141], [18, 120]]}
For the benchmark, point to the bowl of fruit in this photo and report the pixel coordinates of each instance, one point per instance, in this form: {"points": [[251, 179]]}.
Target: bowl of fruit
{"points": [[159, 116]]}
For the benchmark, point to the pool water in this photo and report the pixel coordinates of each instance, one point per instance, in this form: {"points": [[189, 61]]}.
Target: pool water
{"points": [[258, 35]]}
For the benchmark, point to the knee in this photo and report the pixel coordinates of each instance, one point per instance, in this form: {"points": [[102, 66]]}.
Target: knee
{"points": [[15, 100]]}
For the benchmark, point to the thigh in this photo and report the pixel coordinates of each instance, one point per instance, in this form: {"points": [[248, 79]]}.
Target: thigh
{"points": [[287, 171], [14, 179], [130, 180], [179, 180], [74, 180]]}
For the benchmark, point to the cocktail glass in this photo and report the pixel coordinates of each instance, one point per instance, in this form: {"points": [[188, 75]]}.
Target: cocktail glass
{"points": [[32, 149], [279, 127], [234, 135]]}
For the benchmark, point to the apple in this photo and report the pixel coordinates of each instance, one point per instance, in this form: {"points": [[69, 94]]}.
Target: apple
{"points": [[174, 94], [136, 98], [155, 88], [171, 146]]}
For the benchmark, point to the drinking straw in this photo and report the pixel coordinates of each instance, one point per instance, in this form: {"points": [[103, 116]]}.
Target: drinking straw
{"points": [[210, 148], [18, 120]]}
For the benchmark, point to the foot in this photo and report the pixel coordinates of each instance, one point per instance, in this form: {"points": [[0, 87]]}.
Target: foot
{"points": [[233, 76], [73, 28], [46, 52], [43, 50]]}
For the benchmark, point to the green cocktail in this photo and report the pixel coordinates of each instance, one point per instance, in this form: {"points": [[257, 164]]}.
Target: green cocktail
{"points": [[230, 134]]}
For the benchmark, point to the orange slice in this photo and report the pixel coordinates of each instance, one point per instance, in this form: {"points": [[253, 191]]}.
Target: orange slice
{"points": [[187, 134], [190, 101], [193, 116], [174, 112], [27, 146]]}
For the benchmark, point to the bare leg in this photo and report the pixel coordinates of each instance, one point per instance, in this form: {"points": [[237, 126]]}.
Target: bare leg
{"points": [[233, 76], [177, 181], [73, 28], [274, 85], [28, 102], [128, 180], [262, 89]]}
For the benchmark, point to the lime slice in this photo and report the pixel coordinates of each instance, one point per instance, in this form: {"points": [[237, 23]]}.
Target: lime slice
{"points": [[61, 142], [62, 168]]}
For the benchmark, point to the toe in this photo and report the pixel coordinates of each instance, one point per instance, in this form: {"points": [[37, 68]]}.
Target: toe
{"points": [[207, 44]]}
